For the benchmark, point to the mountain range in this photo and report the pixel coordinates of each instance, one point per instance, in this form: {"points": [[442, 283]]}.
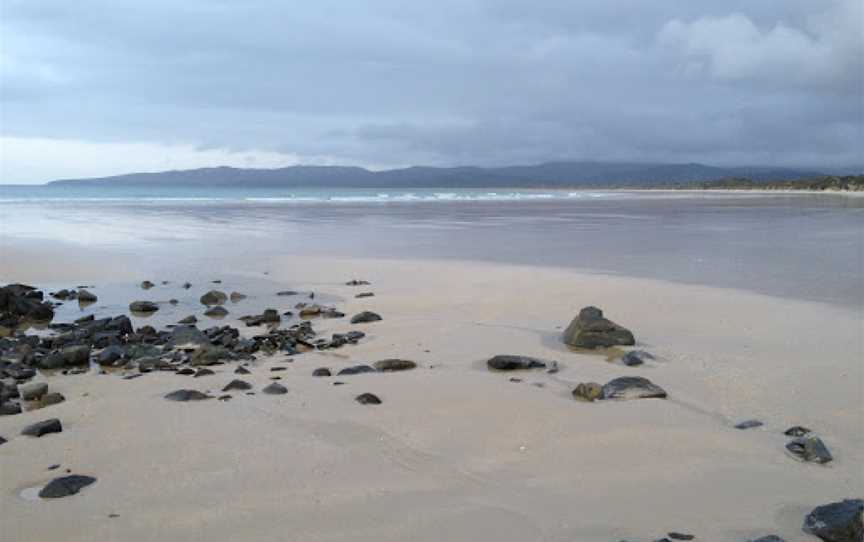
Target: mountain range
{"points": [[546, 175]]}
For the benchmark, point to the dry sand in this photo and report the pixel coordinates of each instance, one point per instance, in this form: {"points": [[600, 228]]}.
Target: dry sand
{"points": [[458, 453]]}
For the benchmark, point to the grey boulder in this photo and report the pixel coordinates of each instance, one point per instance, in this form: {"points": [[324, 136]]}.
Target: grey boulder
{"points": [[837, 521]]}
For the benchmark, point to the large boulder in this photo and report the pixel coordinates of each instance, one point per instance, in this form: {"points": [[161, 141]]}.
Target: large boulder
{"points": [[591, 330], [632, 387], [837, 521]]}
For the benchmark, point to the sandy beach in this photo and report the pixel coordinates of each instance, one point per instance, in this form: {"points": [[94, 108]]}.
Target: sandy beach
{"points": [[455, 451]]}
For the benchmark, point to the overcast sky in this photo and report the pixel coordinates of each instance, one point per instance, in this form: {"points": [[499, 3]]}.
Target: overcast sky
{"points": [[98, 87]]}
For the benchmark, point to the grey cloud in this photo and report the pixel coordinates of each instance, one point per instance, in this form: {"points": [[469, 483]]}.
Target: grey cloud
{"points": [[454, 82]]}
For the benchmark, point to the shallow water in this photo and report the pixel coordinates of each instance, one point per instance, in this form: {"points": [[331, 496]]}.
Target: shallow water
{"points": [[790, 245]]}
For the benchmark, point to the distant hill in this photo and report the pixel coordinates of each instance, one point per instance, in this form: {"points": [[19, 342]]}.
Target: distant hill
{"points": [[548, 175]]}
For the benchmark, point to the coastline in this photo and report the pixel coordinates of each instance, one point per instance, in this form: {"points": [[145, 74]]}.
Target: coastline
{"points": [[479, 455]]}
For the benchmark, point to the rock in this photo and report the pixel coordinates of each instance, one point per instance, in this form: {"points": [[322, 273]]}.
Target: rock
{"points": [[632, 387], [86, 297], [210, 355], [188, 320], [173, 301], [146, 285], [187, 337], [76, 355], [3, 440], [364, 294], [216, 312], [110, 355], [186, 285], [236, 296], [588, 391], [287, 293], [748, 424], [32, 391], [636, 357], [270, 316], [391, 365], [680, 536], [213, 297], [202, 372], [237, 385], [140, 351], [43, 428], [837, 521], [591, 330], [10, 409], [368, 399], [85, 319], [143, 307], [186, 371], [796, 431], [62, 294], [513, 363], [769, 538], [65, 486], [52, 398], [356, 370], [310, 311], [275, 389], [187, 395], [356, 282], [322, 371], [809, 448], [365, 317], [242, 371]]}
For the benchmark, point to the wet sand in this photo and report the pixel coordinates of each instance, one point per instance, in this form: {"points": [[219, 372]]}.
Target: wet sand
{"points": [[456, 452]]}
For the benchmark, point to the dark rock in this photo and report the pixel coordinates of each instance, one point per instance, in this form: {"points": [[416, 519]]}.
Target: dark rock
{"points": [[110, 355], [837, 521], [236, 296], [43, 428], [210, 355], [186, 371], [748, 424], [356, 282], [10, 409], [66, 486], [226, 397], [364, 294], [3, 440], [187, 337], [809, 448], [51, 398], [368, 399], [769, 538], [203, 372], [188, 320], [76, 355], [187, 395], [242, 371], [680, 536], [632, 387], [143, 306], [32, 391], [365, 317], [275, 389], [796, 431], [237, 385], [636, 357], [287, 293], [213, 297], [356, 370], [216, 312], [86, 297], [588, 391], [276, 369], [513, 363], [322, 371], [146, 285], [390, 365], [591, 330], [140, 351], [186, 285], [85, 319], [270, 316]]}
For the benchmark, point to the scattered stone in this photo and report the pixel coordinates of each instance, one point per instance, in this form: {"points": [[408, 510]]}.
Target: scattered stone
{"points": [[275, 389], [65, 486], [284, 293], [364, 294], [187, 395], [239, 385], [203, 371], [146, 285], [32, 391], [769, 538], [636, 357], [796, 431], [213, 297], [514, 379], [322, 371], [365, 317], [10, 409], [748, 424], [588, 391], [836, 522], [51, 398], [513, 363], [356, 282], [86, 297], [591, 330], [310, 311], [242, 371], [632, 387], [173, 301], [356, 370], [43, 428], [680, 536], [110, 355], [809, 448], [236, 296], [276, 369], [225, 397], [392, 365], [368, 399], [189, 320], [216, 312], [186, 285], [143, 306], [186, 371]]}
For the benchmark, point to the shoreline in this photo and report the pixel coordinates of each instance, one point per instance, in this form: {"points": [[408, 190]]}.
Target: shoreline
{"points": [[456, 449]]}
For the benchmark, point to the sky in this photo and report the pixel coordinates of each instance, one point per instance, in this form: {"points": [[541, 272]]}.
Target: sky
{"points": [[102, 87]]}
